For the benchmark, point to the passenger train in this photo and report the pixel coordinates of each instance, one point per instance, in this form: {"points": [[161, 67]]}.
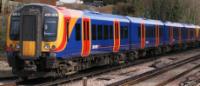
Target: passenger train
{"points": [[44, 39]]}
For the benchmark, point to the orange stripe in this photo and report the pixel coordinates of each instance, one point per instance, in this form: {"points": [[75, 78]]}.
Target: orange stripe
{"points": [[143, 38], [157, 36], [74, 16], [116, 34], [64, 40], [86, 37]]}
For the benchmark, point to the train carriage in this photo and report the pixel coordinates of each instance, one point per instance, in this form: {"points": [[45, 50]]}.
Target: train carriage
{"points": [[174, 33], [146, 34], [48, 40]]}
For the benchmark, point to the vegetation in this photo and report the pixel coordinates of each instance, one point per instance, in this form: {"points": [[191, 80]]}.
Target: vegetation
{"points": [[172, 10], [186, 11]]}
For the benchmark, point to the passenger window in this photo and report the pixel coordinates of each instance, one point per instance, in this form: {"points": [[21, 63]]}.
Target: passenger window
{"points": [[126, 32], [105, 32], [139, 32], [150, 32], [122, 32], [160, 31], [176, 32], [15, 27], [78, 32], [100, 32], [111, 32], [184, 33], [192, 33], [94, 31]]}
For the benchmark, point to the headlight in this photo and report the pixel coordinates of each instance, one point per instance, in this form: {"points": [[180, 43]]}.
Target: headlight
{"points": [[46, 46], [53, 47]]}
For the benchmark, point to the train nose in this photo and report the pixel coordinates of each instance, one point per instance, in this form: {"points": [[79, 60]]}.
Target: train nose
{"points": [[30, 33]]}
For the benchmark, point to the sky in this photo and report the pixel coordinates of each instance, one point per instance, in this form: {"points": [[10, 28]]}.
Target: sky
{"points": [[68, 1]]}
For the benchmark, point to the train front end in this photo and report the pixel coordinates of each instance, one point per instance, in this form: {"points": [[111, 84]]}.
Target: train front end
{"points": [[32, 38]]}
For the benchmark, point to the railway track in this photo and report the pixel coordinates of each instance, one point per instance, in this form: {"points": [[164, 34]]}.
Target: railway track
{"points": [[86, 73], [151, 76], [10, 81], [8, 78]]}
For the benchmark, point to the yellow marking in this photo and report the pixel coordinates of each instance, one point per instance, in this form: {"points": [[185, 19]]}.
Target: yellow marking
{"points": [[28, 48], [82, 35]]}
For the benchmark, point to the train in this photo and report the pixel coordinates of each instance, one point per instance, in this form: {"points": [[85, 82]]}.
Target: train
{"points": [[44, 40]]}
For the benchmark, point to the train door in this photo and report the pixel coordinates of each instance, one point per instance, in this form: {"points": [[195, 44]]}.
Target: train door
{"points": [[116, 46], [86, 37], [171, 35], [157, 33], [30, 33], [143, 36], [180, 37]]}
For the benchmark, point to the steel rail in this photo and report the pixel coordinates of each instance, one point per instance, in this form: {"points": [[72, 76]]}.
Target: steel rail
{"points": [[150, 74], [106, 69]]}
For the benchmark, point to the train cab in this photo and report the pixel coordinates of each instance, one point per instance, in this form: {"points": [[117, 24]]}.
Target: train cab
{"points": [[33, 29], [31, 35]]}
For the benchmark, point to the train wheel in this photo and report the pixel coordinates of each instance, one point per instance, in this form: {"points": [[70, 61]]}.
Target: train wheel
{"points": [[131, 56]]}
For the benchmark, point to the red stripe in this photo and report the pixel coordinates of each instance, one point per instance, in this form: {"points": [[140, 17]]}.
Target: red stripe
{"points": [[64, 40], [116, 46], [157, 36], [142, 36], [86, 40]]}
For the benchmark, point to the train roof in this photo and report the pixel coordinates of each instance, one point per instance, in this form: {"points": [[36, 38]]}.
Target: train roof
{"points": [[104, 16], [110, 17], [190, 26], [47, 7], [174, 24], [197, 26], [145, 21]]}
